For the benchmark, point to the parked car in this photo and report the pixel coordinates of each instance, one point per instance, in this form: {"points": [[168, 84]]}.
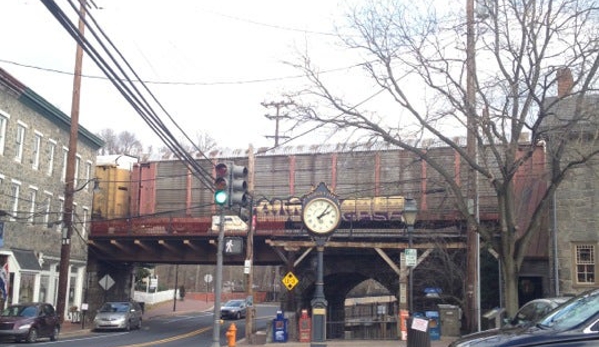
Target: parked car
{"points": [[533, 310], [29, 322], [235, 309], [573, 323], [118, 315]]}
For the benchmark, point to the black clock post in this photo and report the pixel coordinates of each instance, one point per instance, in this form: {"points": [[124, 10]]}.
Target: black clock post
{"points": [[319, 302], [321, 214]]}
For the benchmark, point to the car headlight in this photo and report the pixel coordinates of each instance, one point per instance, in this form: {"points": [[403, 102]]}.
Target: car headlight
{"points": [[25, 326]]}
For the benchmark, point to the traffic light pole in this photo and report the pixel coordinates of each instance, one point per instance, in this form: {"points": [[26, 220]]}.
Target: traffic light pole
{"points": [[218, 279]]}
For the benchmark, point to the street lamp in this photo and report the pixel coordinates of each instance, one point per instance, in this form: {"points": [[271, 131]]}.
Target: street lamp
{"points": [[409, 216]]}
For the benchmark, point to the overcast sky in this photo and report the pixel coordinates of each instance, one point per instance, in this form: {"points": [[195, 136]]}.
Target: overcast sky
{"points": [[216, 61]]}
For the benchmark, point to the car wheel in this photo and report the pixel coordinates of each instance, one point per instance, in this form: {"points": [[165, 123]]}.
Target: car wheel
{"points": [[238, 315], [32, 336], [55, 333]]}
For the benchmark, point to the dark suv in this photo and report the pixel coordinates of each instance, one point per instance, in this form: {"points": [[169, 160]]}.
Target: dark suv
{"points": [[29, 321]]}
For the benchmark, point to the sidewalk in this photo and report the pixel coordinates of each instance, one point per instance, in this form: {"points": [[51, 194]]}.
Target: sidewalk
{"points": [[187, 306]]}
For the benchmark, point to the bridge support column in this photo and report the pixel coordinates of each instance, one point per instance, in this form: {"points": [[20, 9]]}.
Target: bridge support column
{"points": [[118, 286]]}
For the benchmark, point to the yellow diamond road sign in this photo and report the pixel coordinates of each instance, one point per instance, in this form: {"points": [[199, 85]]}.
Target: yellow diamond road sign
{"points": [[290, 281]]}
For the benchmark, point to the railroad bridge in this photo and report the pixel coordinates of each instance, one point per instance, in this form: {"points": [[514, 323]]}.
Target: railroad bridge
{"points": [[163, 214]]}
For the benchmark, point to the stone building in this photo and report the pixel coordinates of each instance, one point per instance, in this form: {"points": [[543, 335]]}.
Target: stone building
{"points": [[34, 142], [575, 216]]}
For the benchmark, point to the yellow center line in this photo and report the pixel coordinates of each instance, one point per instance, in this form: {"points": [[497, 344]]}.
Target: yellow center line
{"points": [[174, 338]]}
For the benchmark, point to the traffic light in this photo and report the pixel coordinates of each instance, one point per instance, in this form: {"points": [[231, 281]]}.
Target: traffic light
{"points": [[238, 187], [221, 184]]}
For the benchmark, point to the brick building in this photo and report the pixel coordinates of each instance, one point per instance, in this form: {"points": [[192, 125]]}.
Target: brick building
{"points": [[34, 140]]}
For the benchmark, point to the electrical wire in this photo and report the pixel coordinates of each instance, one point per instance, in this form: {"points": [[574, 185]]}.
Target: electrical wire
{"points": [[127, 88]]}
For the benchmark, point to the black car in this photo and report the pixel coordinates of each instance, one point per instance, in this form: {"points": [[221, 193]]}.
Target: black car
{"points": [[574, 323], [29, 322], [534, 310]]}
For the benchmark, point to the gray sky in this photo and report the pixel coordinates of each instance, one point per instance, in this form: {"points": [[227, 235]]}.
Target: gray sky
{"points": [[207, 55]]}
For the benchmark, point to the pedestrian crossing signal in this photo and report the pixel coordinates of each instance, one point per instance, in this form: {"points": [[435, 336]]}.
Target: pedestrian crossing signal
{"points": [[233, 245]]}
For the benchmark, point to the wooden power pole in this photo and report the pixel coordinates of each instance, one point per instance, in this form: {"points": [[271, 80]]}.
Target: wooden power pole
{"points": [[278, 106]]}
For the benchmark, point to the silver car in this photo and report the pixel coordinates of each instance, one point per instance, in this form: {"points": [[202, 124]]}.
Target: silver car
{"points": [[118, 315], [235, 309]]}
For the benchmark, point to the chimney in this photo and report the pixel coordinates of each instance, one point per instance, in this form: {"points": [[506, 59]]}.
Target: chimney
{"points": [[564, 82]]}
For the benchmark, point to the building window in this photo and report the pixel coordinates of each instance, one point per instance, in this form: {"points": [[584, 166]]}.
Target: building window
{"points": [[76, 173], [51, 155], [88, 175], [15, 189], [60, 213], [21, 128], [32, 201], [65, 154], [37, 147], [84, 219], [3, 123], [48, 209], [585, 264]]}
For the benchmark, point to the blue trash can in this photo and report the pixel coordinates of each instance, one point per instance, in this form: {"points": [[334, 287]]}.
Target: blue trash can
{"points": [[279, 328], [434, 323]]}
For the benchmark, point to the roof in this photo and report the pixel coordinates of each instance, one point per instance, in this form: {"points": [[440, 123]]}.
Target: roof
{"points": [[37, 103], [27, 259]]}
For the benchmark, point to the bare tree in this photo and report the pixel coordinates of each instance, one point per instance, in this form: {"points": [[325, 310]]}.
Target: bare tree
{"points": [[202, 143], [122, 143], [415, 61]]}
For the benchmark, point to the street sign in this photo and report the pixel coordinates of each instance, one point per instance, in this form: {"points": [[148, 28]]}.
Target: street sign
{"points": [[290, 281], [411, 257], [207, 278], [106, 282]]}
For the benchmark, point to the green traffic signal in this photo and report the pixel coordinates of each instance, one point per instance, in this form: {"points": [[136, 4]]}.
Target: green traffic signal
{"points": [[220, 197]]}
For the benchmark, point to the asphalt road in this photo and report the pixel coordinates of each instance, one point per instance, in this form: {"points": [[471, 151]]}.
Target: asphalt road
{"points": [[175, 330]]}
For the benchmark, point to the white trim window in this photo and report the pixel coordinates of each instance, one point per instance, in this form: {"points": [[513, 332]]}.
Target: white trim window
{"points": [[37, 148], [51, 156], [48, 208], [65, 154], [15, 191], [60, 213], [585, 263], [84, 219], [20, 141], [3, 124], [88, 175], [76, 173], [32, 204]]}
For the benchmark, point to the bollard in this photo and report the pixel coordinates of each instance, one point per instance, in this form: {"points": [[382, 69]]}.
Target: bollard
{"points": [[231, 335]]}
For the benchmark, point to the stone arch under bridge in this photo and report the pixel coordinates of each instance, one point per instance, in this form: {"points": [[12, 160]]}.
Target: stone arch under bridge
{"points": [[344, 269]]}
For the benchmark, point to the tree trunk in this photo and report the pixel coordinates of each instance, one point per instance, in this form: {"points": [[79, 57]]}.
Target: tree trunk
{"points": [[511, 275]]}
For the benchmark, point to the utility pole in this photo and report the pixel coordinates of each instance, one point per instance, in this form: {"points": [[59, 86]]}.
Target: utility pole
{"points": [[248, 269], [67, 231], [278, 106], [472, 242]]}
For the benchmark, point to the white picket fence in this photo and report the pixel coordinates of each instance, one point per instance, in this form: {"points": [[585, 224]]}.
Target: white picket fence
{"points": [[154, 298]]}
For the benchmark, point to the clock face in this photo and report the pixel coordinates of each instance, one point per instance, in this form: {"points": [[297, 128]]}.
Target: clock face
{"points": [[321, 215]]}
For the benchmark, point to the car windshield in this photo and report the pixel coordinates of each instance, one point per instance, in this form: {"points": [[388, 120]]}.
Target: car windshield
{"points": [[572, 313], [20, 311], [236, 303], [115, 307]]}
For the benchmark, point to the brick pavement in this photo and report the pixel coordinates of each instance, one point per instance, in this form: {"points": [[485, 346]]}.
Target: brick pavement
{"points": [[182, 307]]}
